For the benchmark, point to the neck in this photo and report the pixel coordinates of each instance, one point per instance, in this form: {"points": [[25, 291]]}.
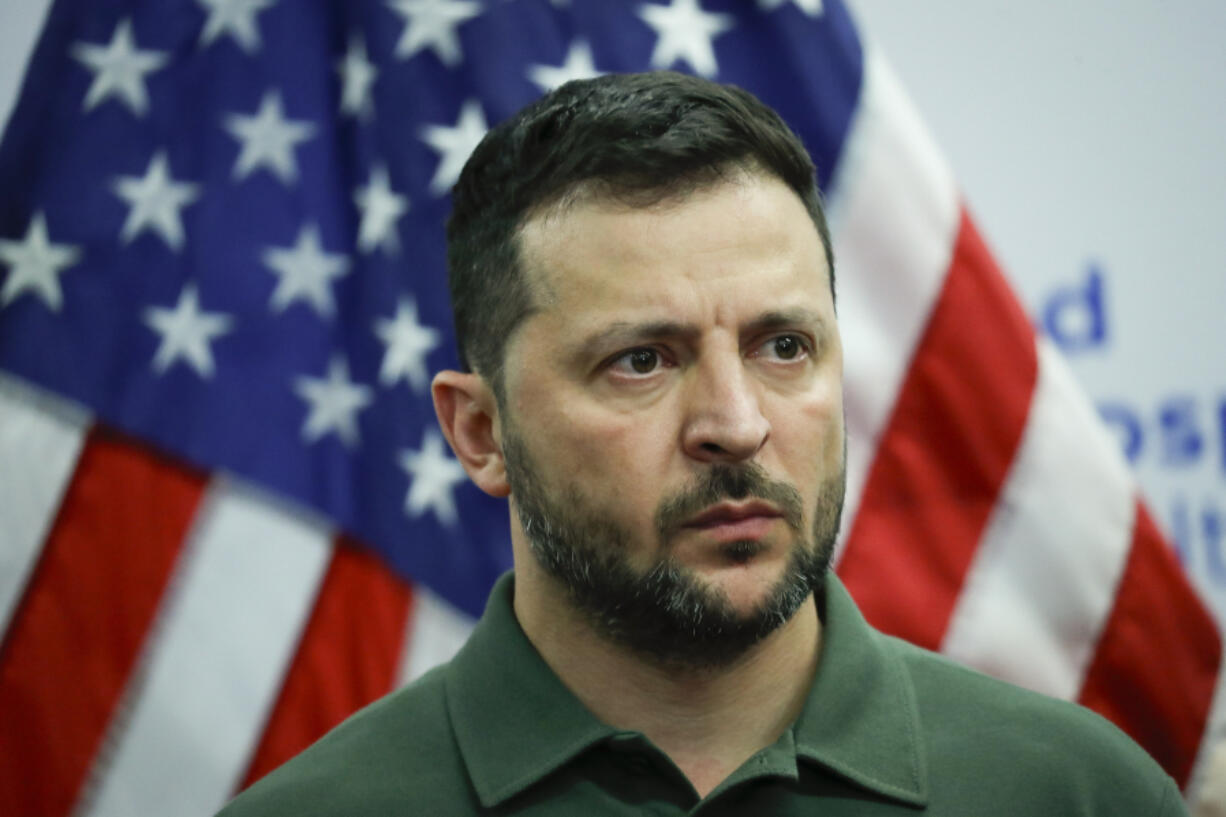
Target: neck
{"points": [[707, 721]]}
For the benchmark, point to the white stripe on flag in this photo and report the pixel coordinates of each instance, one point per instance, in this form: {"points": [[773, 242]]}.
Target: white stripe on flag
{"points": [[436, 631], [40, 441], [1043, 580], [23, 22], [215, 660], [894, 214]]}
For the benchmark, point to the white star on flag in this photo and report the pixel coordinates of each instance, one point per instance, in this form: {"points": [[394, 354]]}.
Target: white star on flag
{"points": [[119, 69], [454, 144], [186, 333], [334, 403], [813, 8], [236, 18], [408, 343], [380, 207], [433, 476], [268, 139], [358, 73], [154, 201], [35, 265], [685, 32], [432, 24], [305, 272], [578, 65]]}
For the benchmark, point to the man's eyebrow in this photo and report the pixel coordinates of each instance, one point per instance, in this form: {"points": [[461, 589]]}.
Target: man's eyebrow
{"points": [[626, 332], [787, 318]]}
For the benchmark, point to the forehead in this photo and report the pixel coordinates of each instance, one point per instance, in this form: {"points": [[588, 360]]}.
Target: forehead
{"points": [[742, 245]]}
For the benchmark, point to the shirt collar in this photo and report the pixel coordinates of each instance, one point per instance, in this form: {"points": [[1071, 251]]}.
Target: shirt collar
{"points": [[861, 720], [515, 722]]}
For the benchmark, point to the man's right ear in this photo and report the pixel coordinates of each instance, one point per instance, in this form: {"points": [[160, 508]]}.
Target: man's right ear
{"points": [[468, 415]]}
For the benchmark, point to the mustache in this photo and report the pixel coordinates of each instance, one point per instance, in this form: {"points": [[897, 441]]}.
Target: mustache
{"points": [[721, 482]]}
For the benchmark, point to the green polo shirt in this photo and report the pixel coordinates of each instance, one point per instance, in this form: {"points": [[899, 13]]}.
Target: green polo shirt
{"points": [[888, 729]]}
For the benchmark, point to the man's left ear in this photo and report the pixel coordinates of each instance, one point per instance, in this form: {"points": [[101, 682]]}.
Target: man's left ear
{"points": [[468, 415]]}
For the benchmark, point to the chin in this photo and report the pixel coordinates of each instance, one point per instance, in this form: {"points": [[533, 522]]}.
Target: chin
{"points": [[746, 586]]}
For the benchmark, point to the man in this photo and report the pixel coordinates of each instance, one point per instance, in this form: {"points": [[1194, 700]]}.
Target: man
{"points": [[644, 296]]}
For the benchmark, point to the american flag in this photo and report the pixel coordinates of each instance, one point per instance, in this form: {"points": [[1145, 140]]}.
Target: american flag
{"points": [[227, 518]]}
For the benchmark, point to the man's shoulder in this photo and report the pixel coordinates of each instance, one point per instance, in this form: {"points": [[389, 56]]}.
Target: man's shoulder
{"points": [[399, 749], [977, 728]]}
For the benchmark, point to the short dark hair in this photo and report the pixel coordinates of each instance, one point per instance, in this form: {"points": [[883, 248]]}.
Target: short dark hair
{"points": [[637, 138]]}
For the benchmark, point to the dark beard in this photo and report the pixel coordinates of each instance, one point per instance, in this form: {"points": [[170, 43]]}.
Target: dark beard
{"points": [[666, 614]]}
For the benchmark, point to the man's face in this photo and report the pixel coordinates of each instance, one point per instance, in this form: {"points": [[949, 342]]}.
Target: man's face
{"points": [[673, 426]]}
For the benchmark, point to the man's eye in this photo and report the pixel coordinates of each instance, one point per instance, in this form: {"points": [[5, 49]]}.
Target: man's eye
{"points": [[786, 347], [643, 361], [638, 361]]}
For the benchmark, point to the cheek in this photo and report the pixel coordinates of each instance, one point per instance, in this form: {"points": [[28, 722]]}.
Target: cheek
{"points": [[809, 436], [625, 460], [829, 416], [611, 457], [825, 410]]}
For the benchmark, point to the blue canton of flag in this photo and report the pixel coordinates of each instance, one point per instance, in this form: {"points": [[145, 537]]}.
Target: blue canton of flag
{"points": [[223, 223]]}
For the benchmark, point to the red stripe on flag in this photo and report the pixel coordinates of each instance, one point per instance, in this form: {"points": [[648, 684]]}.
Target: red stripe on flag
{"points": [[348, 655], [1156, 664], [79, 629], [946, 451]]}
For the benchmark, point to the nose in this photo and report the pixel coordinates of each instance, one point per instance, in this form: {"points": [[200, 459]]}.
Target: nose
{"points": [[724, 422]]}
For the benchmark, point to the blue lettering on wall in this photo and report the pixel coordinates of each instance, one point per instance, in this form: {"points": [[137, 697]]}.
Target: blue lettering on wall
{"points": [[1182, 442], [1127, 425], [1175, 434], [1181, 536], [1221, 432], [1075, 317], [1199, 538], [1211, 526]]}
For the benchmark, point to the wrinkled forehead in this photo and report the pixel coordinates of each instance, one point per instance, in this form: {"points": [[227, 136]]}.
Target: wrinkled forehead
{"points": [[749, 234], [544, 229]]}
